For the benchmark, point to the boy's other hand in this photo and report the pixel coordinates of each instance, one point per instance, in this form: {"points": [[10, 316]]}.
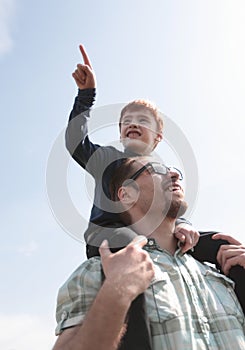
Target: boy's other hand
{"points": [[187, 236], [231, 254]]}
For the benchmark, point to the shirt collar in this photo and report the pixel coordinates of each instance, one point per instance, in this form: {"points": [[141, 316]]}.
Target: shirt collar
{"points": [[152, 245]]}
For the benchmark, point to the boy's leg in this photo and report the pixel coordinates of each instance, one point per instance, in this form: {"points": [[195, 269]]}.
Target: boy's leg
{"points": [[117, 237], [137, 336], [207, 248], [237, 274]]}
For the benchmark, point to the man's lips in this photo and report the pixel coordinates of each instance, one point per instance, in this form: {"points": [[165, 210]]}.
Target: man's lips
{"points": [[172, 187]]}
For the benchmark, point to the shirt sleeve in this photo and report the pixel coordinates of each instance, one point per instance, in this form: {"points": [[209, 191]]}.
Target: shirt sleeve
{"points": [[77, 294], [77, 141]]}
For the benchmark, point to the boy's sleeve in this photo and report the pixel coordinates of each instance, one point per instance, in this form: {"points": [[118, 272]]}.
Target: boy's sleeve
{"points": [[77, 142]]}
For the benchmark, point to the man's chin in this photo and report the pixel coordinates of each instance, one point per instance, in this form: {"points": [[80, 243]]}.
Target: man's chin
{"points": [[177, 209], [182, 209]]}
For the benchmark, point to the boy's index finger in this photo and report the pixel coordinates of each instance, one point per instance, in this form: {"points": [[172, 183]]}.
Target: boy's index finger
{"points": [[85, 56]]}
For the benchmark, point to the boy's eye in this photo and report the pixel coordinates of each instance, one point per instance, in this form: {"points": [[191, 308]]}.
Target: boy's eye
{"points": [[129, 121], [144, 121], [126, 122]]}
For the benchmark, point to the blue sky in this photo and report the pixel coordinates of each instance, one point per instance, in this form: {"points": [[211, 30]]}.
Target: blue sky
{"points": [[186, 55]]}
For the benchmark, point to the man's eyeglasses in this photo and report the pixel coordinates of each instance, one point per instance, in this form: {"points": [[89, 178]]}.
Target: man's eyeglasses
{"points": [[156, 168]]}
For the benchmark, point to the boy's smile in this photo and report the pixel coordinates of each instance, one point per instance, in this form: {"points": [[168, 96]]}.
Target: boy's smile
{"points": [[139, 130], [133, 133]]}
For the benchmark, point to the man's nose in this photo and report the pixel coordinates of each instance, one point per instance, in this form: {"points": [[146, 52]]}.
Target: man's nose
{"points": [[173, 174]]}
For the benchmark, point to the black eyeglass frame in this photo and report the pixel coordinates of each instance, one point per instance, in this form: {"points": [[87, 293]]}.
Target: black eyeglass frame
{"points": [[155, 167]]}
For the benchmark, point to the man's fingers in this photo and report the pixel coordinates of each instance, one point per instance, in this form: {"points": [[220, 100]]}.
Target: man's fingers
{"points": [[231, 253], [229, 263], [104, 249], [85, 56], [180, 236], [228, 238], [140, 241]]}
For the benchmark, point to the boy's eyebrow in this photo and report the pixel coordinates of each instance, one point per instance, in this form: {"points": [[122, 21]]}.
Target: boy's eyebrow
{"points": [[138, 115]]}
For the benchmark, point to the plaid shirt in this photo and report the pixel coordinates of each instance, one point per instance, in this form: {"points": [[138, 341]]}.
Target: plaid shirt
{"points": [[190, 305]]}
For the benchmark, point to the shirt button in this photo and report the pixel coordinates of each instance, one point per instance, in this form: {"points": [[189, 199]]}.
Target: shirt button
{"points": [[204, 319]]}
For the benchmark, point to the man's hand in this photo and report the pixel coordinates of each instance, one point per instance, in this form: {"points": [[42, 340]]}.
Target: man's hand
{"points": [[187, 236], [130, 270], [84, 75], [230, 254], [128, 273]]}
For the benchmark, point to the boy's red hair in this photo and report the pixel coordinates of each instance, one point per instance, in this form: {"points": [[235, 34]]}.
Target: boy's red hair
{"points": [[146, 104]]}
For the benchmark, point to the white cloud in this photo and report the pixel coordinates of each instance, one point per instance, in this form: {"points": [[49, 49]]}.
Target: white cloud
{"points": [[6, 14], [28, 249], [26, 332]]}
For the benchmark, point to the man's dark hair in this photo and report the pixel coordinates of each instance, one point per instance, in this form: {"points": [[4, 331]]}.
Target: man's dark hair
{"points": [[121, 174]]}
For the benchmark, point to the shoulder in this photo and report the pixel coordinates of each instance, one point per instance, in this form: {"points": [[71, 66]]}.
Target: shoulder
{"points": [[87, 273], [77, 294]]}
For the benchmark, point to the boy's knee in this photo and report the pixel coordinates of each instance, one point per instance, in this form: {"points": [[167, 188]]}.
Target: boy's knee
{"points": [[117, 238]]}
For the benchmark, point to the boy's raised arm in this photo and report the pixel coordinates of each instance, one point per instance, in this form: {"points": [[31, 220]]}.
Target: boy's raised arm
{"points": [[77, 130]]}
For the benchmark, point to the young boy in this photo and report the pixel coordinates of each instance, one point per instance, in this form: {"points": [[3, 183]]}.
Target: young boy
{"points": [[141, 129]]}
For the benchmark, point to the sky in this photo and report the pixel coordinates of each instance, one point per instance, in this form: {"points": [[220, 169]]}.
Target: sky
{"points": [[185, 55]]}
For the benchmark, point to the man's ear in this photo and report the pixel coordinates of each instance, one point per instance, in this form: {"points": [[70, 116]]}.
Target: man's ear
{"points": [[127, 195], [159, 137]]}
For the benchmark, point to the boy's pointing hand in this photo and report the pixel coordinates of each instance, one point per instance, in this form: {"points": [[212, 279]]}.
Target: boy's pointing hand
{"points": [[84, 75]]}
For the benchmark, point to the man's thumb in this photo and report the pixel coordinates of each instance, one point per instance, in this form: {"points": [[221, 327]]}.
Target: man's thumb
{"points": [[104, 249], [140, 241]]}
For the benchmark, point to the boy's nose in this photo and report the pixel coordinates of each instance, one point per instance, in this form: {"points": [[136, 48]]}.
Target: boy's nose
{"points": [[134, 123]]}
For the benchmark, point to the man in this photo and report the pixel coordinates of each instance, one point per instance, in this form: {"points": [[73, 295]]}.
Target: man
{"points": [[190, 305]]}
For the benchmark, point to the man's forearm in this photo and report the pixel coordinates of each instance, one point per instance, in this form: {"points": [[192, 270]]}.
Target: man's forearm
{"points": [[103, 326]]}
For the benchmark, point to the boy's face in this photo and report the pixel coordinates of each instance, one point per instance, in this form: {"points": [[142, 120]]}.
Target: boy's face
{"points": [[139, 130]]}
